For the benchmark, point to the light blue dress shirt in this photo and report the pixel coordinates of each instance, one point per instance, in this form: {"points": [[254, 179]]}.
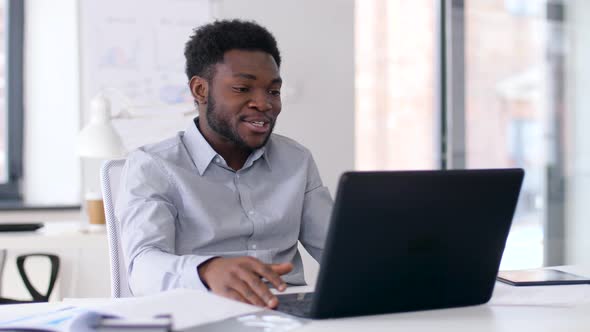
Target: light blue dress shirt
{"points": [[179, 204]]}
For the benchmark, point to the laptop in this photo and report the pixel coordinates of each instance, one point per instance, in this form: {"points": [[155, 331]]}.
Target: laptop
{"points": [[411, 240]]}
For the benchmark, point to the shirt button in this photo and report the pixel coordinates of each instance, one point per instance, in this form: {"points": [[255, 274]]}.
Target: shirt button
{"points": [[251, 212], [237, 176], [217, 160], [253, 246]]}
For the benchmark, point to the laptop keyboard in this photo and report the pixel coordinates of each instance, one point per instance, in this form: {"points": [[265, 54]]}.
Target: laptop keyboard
{"points": [[295, 304]]}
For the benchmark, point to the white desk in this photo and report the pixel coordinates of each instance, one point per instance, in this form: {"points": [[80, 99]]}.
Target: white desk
{"points": [[485, 318], [55, 235], [84, 268], [481, 318]]}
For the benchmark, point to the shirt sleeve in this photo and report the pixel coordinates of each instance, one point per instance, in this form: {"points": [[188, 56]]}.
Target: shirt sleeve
{"points": [[317, 207], [148, 229]]}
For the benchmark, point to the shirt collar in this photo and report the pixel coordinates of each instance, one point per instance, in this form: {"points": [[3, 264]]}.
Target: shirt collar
{"points": [[203, 154], [262, 152]]}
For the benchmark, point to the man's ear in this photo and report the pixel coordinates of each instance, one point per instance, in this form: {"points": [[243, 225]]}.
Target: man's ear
{"points": [[199, 89]]}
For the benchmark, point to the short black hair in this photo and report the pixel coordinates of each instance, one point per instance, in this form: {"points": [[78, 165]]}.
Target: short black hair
{"points": [[210, 42]]}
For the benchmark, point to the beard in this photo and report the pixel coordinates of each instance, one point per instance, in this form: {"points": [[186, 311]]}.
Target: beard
{"points": [[222, 126]]}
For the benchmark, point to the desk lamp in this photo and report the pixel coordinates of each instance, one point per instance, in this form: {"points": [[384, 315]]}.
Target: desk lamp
{"points": [[99, 140]]}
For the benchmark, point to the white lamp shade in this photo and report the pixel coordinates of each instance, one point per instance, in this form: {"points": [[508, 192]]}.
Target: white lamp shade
{"points": [[99, 139]]}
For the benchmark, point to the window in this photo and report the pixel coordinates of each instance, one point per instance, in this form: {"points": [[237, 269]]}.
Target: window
{"points": [[503, 87], [11, 101], [397, 126], [508, 108]]}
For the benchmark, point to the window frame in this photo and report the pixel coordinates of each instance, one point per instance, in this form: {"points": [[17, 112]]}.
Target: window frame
{"points": [[10, 190]]}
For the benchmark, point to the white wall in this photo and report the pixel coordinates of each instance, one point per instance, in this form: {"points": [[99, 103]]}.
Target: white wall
{"points": [[578, 178], [52, 170], [316, 39]]}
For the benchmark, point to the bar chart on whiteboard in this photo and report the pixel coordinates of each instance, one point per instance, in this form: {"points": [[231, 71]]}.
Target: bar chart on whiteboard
{"points": [[132, 51]]}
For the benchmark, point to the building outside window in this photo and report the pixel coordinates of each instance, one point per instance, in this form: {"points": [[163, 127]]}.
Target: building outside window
{"points": [[513, 77]]}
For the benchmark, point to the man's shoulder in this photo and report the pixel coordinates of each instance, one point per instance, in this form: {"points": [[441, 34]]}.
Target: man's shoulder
{"points": [[148, 167], [169, 149]]}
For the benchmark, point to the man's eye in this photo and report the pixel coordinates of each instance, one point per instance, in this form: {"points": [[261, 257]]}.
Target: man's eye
{"points": [[240, 89], [275, 92]]}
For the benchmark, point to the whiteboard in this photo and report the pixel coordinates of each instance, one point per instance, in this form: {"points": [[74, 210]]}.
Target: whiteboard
{"points": [[133, 52]]}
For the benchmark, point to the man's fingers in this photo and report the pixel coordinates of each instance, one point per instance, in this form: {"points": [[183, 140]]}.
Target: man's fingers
{"points": [[242, 279], [248, 293], [282, 268], [261, 289], [234, 295], [265, 271]]}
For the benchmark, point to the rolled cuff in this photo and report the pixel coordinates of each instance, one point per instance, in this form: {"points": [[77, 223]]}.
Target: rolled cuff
{"points": [[155, 271], [190, 276]]}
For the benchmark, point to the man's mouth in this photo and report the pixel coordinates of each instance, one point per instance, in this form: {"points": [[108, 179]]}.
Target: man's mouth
{"points": [[258, 123], [258, 126]]}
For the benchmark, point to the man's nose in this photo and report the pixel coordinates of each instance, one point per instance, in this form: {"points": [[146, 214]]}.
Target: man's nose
{"points": [[261, 101]]}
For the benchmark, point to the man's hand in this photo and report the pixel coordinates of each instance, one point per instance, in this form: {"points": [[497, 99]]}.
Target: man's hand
{"points": [[240, 278]]}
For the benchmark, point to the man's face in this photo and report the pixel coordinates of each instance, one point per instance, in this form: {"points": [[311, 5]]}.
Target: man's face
{"points": [[244, 98]]}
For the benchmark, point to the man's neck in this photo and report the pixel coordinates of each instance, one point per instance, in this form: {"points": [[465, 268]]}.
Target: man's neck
{"points": [[235, 156]]}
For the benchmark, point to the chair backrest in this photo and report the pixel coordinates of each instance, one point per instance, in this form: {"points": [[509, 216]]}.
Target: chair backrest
{"points": [[110, 175]]}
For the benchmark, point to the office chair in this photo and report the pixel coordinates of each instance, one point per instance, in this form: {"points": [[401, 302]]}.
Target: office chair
{"points": [[110, 173]]}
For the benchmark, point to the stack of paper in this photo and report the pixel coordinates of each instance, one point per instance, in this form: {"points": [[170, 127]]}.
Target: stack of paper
{"points": [[61, 318], [188, 308]]}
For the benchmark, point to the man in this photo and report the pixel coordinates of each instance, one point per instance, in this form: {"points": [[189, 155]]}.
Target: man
{"points": [[222, 205]]}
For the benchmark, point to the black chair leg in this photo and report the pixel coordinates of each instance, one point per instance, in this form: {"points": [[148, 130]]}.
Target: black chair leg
{"points": [[38, 297]]}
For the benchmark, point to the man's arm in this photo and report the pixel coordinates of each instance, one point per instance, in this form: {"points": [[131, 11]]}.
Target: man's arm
{"points": [[148, 225], [317, 207]]}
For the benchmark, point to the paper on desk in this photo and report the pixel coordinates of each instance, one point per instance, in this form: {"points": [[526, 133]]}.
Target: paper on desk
{"points": [[60, 319], [187, 307], [559, 296]]}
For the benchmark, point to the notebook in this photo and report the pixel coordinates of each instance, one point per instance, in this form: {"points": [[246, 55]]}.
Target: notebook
{"points": [[540, 277]]}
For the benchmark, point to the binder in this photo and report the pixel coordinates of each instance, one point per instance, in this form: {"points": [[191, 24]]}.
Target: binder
{"points": [[161, 323]]}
